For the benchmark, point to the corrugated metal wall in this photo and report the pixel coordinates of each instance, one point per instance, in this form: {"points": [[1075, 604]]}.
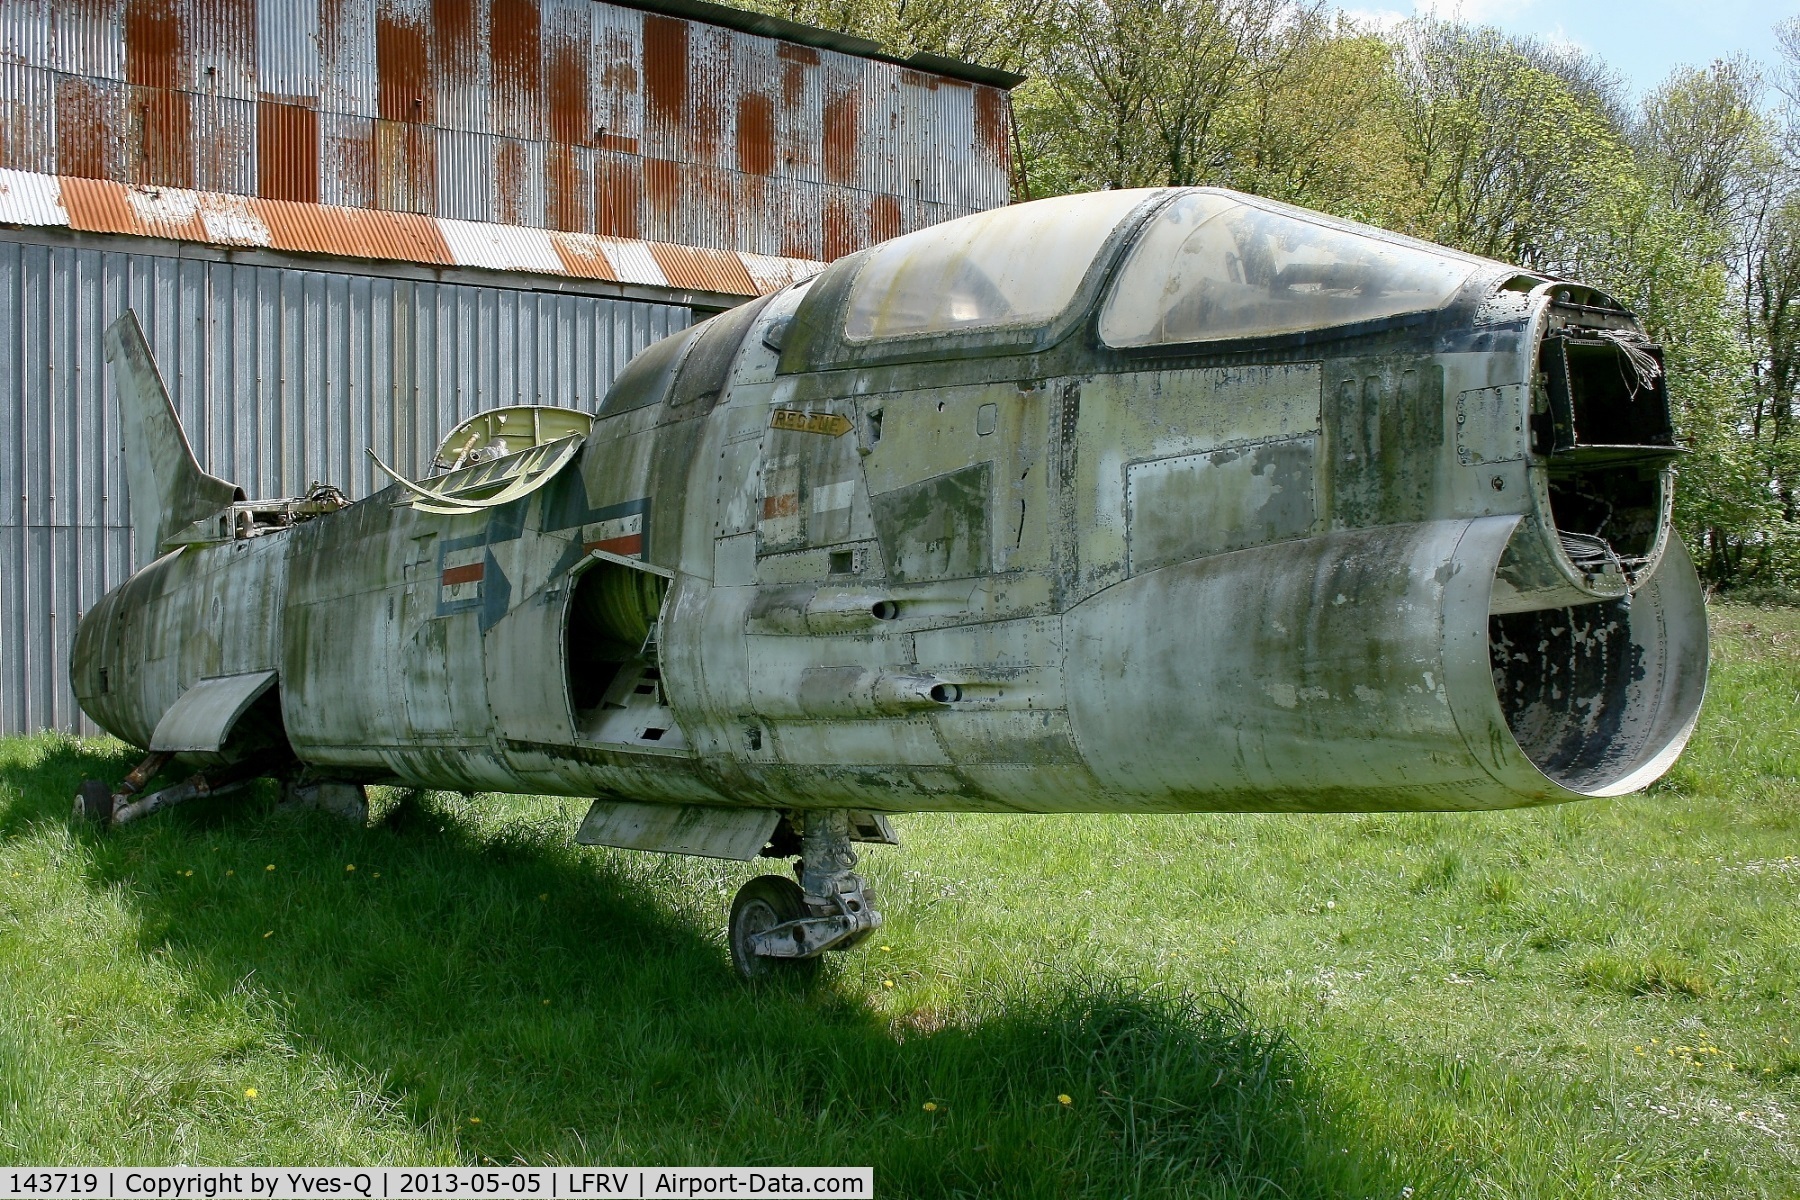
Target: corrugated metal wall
{"points": [[565, 114], [281, 376]]}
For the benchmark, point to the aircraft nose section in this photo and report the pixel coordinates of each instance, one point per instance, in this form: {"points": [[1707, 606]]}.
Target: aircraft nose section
{"points": [[1352, 671]]}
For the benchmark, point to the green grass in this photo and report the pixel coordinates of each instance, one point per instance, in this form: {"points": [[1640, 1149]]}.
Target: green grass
{"points": [[1594, 1000]]}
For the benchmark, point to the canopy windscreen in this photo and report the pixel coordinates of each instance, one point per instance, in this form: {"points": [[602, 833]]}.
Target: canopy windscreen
{"points": [[1211, 266], [1014, 266]]}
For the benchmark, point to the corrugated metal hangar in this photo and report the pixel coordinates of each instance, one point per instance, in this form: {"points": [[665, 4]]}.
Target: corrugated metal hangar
{"points": [[352, 223]]}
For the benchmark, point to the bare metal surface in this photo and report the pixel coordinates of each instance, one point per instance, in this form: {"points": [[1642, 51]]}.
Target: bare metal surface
{"points": [[202, 719], [738, 833]]}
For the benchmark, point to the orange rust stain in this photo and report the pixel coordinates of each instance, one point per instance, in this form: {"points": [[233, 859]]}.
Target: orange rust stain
{"points": [[842, 136], [83, 128], [793, 83], [709, 270], [619, 142], [992, 125], [401, 67], [352, 232], [581, 256], [787, 504], [756, 134], [162, 153], [795, 53], [509, 182], [518, 65], [153, 43], [884, 218], [662, 188], [287, 152], [454, 53], [665, 72], [97, 205], [617, 187], [567, 195], [566, 88]]}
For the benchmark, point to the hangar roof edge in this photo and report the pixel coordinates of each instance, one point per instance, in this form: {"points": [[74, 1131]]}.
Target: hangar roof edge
{"points": [[231, 220], [750, 21]]}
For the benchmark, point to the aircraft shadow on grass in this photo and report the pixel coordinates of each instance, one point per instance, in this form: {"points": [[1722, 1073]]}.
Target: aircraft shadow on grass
{"points": [[433, 981]]}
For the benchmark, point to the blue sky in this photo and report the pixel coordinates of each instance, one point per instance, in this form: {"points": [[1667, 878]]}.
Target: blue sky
{"points": [[1641, 39]]}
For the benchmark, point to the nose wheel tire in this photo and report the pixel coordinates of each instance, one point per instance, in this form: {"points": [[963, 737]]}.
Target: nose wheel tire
{"points": [[761, 904]]}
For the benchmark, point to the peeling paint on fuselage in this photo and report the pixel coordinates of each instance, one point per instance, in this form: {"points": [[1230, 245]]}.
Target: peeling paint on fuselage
{"points": [[1253, 576]]}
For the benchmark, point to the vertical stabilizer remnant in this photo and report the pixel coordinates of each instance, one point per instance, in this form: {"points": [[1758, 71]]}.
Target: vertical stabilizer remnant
{"points": [[169, 491]]}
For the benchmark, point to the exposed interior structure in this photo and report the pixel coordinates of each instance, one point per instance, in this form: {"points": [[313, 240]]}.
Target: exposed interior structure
{"points": [[1592, 690]]}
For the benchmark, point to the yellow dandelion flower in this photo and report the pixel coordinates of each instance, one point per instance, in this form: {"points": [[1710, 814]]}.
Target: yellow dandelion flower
{"points": [[1639, 1049], [887, 983], [231, 872], [543, 895], [1065, 1099], [249, 1093], [269, 934], [887, 949], [270, 867], [474, 1120], [349, 866], [189, 873], [376, 875], [546, 1002], [930, 1106]]}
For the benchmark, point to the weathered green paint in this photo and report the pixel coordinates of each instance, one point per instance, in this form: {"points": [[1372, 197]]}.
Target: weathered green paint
{"points": [[1009, 571]]}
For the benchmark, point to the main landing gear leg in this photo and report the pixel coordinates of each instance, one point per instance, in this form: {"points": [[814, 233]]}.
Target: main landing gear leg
{"points": [[778, 926]]}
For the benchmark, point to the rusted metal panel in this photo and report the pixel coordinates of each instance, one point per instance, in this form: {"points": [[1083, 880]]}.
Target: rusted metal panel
{"points": [[403, 62], [568, 187], [405, 166], [584, 116], [223, 143], [25, 33], [346, 160], [91, 121], [583, 255], [519, 197], [616, 82], [516, 50], [85, 38], [703, 269], [567, 71], [27, 118], [287, 151]]}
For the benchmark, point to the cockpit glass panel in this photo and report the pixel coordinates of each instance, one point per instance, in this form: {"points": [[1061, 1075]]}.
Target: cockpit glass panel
{"points": [[1014, 266], [1211, 266]]}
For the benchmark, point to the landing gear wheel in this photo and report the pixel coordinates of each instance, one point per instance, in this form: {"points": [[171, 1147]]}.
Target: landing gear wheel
{"points": [[94, 802], [763, 903]]}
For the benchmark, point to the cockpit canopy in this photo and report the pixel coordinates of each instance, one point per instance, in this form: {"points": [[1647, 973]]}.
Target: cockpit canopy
{"points": [[1199, 265]]}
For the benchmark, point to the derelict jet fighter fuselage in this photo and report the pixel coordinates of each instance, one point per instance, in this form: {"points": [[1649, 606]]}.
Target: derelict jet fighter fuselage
{"points": [[1139, 501]]}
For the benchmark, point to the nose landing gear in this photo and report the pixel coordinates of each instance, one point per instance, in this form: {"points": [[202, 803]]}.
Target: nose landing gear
{"points": [[779, 927]]}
